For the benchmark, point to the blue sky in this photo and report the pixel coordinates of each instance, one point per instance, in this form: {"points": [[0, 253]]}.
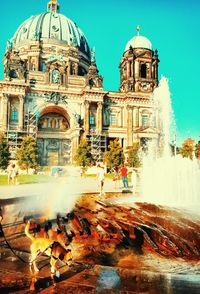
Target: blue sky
{"points": [[172, 26]]}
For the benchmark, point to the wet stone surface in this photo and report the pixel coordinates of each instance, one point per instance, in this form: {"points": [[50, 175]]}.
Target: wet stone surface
{"points": [[142, 248]]}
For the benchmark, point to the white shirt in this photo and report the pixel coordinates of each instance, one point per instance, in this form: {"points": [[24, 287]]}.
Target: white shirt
{"points": [[101, 174]]}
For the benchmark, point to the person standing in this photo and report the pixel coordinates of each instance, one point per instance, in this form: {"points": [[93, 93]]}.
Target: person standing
{"points": [[124, 174], [14, 174], [101, 178], [9, 171], [116, 176], [134, 180]]}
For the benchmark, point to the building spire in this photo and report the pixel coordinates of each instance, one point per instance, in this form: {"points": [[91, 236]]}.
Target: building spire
{"points": [[53, 6], [138, 30], [93, 57]]}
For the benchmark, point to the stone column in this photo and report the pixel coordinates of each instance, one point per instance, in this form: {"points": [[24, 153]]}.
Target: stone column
{"points": [[137, 117], [134, 117], [5, 111], [86, 120], [74, 145], [65, 79], [99, 117], [140, 117], [37, 65], [152, 71], [121, 117], [21, 112], [128, 69], [125, 117], [130, 127], [47, 77], [68, 68], [137, 69]]}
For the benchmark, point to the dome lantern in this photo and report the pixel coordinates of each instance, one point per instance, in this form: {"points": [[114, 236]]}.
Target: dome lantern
{"points": [[139, 41], [53, 6]]}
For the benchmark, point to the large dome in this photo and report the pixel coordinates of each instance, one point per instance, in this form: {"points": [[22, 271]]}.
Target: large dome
{"points": [[51, 26], [139, 42]]}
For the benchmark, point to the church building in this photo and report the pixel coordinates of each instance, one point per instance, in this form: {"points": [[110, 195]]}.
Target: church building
{"points": [[52, 90]]}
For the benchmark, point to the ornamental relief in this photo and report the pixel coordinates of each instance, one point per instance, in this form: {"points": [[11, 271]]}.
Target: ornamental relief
{"points": [[53, 122]]}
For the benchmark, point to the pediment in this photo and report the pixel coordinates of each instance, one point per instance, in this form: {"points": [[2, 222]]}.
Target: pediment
{"points": [[55, 61], [56, 58], [147, 130]]}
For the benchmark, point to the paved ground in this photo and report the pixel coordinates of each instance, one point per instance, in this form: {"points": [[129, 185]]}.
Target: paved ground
{"points": [[73, 184]]}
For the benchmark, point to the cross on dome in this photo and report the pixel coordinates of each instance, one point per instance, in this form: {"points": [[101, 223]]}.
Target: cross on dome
{"points": [[138, 30]]}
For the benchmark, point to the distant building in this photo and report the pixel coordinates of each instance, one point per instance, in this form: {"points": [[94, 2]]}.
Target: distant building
{"points": [[53, 91]]}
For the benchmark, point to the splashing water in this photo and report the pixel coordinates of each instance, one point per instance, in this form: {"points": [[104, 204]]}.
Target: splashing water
{"points": [[57, 196], [168, 179]]}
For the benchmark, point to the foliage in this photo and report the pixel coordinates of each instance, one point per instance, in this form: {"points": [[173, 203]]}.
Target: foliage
{"points": [[114, 156], [27, 154], [197, 150], [133, 156], [83, 156], [4, 152], [187, 148]]}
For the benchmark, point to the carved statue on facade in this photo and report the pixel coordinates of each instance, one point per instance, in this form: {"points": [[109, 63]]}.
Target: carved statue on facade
{"points": [[106, 116], [56, 76], [14, 66], [56, 98], [93, 79]]}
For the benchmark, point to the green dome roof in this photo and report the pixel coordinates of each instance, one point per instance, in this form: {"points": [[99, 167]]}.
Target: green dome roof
{"points": [[52, 26]]}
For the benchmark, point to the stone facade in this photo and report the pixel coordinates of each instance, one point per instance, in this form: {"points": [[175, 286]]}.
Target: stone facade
{"points": [[52, 90]]}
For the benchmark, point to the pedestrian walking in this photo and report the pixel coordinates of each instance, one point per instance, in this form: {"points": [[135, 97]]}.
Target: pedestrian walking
{"points": [[101, 178], [14, 174], [124, 174], [134, 180], [9, 172]]}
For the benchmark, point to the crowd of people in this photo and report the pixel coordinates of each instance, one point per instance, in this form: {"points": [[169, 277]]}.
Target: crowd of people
{"points": [[119, 173]]}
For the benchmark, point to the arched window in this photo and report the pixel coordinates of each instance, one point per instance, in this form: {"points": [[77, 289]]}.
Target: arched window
{"points": [[92, 120], [113, 119], [72, 69], [81, 71], [145, 121], [13, 74], [14, 115], [14, 110], [143, 70]]}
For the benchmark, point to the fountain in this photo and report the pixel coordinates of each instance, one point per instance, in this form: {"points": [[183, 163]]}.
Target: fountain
{"points": [[167, 178]]}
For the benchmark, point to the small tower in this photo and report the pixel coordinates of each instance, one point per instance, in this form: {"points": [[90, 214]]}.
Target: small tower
{"points": [[139, 66], [93, 79]]}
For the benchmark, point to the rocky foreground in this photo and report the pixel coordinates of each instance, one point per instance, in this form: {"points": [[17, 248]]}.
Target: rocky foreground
{"points": [[102, 233]]}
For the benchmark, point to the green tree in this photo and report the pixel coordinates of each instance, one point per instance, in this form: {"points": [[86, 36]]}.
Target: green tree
{"points": [[83, 156], [133, 156], [187, 148], [4, 152], [27, 154], [197, 150], [114, 156]]}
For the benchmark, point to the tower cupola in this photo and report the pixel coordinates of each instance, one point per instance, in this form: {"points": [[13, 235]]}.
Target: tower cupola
{"points": [[139, 65]]}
